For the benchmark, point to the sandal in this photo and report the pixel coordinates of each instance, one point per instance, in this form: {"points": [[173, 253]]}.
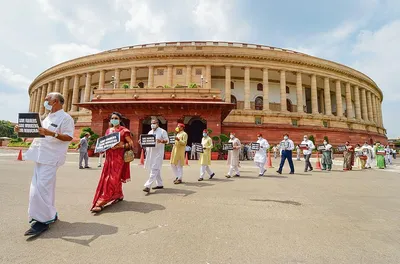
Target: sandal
{"points": [[97, 209], [117, 200]]}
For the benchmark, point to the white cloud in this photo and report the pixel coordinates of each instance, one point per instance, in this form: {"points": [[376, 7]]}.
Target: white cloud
{"points": [[13, 79], [30, 54], [13, 104], [64, 52]]}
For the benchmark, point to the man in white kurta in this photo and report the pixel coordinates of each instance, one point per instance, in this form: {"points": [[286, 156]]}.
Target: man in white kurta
{"points": [[233, 156], [261, 155], [307, 153], [48, 153], [155, 156], [205, 157], [368, 151]]}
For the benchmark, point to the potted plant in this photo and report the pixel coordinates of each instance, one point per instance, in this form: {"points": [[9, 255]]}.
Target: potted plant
{"points": [[179, 86], [167, 86], [167, 153], [92, 140], [192, 85]]}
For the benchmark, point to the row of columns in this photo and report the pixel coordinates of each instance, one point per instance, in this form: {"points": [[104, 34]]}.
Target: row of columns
{"points": [[368, 108]]}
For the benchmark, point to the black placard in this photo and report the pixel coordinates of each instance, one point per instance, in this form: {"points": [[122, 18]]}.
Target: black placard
{"points": [[341, 148], [227, 146], [198, 148], [321, 147], [303, 146], [107, 142], [29, 124], [171, 139], [148, 141], [255, 146]]}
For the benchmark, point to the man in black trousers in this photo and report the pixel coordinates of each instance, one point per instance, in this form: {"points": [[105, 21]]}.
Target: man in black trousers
{"points": [[287, 147]]}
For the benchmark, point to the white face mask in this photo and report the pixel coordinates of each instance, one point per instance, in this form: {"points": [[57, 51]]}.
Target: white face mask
{"points": [[325, 142], [259, 138], [305, 139], [285, 137], [153, 126], [47, 106], [232, 136]]}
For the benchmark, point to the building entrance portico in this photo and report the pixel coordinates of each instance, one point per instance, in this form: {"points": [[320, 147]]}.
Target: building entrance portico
{"points": [[194, 126]]}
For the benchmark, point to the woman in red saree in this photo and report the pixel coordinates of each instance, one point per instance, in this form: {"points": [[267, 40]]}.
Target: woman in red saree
{"points": [[115, 171]]}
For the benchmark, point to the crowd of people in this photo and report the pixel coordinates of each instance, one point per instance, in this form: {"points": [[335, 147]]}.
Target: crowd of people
{"points": [[49, 153]]}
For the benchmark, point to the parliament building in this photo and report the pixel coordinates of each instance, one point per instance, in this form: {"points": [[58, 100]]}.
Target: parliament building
{"points": [[223, 86]]}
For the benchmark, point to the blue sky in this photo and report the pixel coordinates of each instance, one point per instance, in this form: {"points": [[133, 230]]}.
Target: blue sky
{"points": [[36, 34]]}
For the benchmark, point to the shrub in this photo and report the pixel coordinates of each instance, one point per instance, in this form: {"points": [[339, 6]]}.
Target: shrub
{"points": [[179, 86], [215, 138], [192, 85], [311, 138], [19, 144], [16, 140], [93, 136], [168, 148], [125, 86], [167, 86], [224, 138]]}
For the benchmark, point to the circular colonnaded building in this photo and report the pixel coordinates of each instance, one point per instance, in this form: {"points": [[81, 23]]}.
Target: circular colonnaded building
{"points": [[223, 86]]}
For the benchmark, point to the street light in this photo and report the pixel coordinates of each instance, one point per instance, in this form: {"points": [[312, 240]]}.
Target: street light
{"points": [[202, 81]]}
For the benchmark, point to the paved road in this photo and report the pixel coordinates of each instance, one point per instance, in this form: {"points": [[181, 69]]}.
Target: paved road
{"points": [[337, 217]]}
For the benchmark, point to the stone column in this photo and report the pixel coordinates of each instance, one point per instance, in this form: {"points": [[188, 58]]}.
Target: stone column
{"points": [[349, 105], [314, 94], [357, 102], [169, 75], [283, 91], [374, 108], [228, 84], [57, 86], [102, 78], [339, 106], [364, 104], [150, 82], [189, 75], [75, 93], [50, 87], [65, 93], [299, 93], [31, 95], [380, 113], [247, 88], [38, 99], [321, 99], [378, 116], [208, 76], [369, 105], [88, 84], [116, 78], [42, 97], [327, 95], [265, 90], [133, 77]]}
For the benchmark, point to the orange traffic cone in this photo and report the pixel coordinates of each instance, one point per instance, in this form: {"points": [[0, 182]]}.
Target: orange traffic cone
{"points": [[141, 158], [269, 160], [318, 164], [20, 155], [186, 160]]}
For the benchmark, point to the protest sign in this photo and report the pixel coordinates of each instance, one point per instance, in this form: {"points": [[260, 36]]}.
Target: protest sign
{"points": [[29, 124], [107, 142], [171, 139], [198, 148], [227, 146], [148, 141], [321, 147], [255, 146]]}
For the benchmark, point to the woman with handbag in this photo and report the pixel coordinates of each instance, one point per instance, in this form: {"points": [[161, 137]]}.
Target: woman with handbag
{"points": [[116, 168]]}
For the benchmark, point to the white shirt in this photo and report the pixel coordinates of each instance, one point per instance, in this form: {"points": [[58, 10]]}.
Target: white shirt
{"points": [[287, 144], [155, 156], [328, 147], [310, 145], [50, 150], [261, 154]]}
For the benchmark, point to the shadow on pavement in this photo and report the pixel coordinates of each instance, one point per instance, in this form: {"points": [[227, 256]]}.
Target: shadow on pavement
{"points": [[131, 206], [181, 192], [197, 184], [277, 201], [276, 176], [72, 232], [248, 177]]}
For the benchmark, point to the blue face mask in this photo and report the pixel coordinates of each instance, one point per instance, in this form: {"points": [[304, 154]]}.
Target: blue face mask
{"points": [[204, 134], [114, 122], [47, 106]]}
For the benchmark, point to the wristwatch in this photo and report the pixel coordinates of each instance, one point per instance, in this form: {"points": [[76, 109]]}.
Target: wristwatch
{"points": [[56, 135]]}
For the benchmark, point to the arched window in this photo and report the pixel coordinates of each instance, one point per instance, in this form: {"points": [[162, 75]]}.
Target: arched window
{"points": [[141, 85], [232, 85], [287, 89], [234, 101], [258, 103], [260, 87]]}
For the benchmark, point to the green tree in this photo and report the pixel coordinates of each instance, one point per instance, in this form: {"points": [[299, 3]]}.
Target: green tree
{"points": [[7, 129], [311, 138]]}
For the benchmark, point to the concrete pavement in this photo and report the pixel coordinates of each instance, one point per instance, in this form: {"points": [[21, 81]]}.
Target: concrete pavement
{"points": [[318, 217]]}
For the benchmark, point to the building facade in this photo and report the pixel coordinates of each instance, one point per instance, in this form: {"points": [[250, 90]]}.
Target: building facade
{"points": [[223, 86]]}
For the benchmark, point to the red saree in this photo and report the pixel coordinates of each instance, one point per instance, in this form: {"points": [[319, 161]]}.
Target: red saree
{"points": [[114, 173]]}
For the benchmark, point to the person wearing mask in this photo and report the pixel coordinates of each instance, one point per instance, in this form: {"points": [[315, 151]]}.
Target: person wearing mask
{"points": [[287, 147], [327, 155], [233, 156], [260, 157], [307, 153], [380, 155], [178, 153], [368, 153], [48, 154], [155, 156], [388, 156], [298, 150], [188, 150], [115, 170], [359, 162], [83, 151], [193, 154], [348, 156], [205, 157]]}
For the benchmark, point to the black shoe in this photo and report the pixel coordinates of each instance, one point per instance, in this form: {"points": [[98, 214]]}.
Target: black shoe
{"points": [[98, 166], [311, 169], [262, 174], [81, 168], [146, 189], [237, 175], [292, 172], [36, 229], [279, 172], [87, 167], [158, 187], [199, 179], [227, 176], [212, 175]]}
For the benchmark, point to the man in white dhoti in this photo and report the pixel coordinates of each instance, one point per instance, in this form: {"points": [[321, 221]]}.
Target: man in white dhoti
{"points": [[261, 155], [155, 156], [48, 153], [368, 151], [233, 156]]}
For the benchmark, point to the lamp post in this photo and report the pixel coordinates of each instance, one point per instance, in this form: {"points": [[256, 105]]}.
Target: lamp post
{"points": [[202, 80]]}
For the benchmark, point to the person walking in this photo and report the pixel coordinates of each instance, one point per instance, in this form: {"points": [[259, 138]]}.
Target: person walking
{"points": [[178, 153], [327, 155], [298, 151], [348, 157], [205, 157], [188, 151], [380, 156], [368, 152], [155, 156], [260, 157], [307, 153], [287, 147], [233, 156], [83, 151], [115, 171], [48, 154]]}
